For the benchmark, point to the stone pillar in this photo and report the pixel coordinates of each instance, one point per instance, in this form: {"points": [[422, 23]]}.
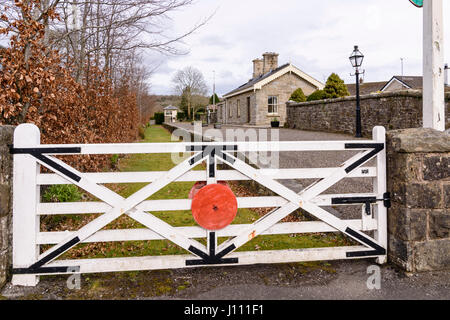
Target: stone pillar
{"points": [[6, 164], [418, 178]]}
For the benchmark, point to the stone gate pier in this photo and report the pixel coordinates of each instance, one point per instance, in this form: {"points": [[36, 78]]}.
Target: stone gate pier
{"points": [[418, 174]]}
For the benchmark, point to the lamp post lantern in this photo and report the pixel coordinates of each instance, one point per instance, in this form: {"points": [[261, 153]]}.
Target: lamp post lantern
{"points": [[356, 59]]}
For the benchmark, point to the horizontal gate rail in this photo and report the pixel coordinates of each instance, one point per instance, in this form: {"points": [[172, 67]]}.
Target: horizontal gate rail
{"points": [[227, 175], [198, 232], [138, 148], [185, 204], [30, 155]]}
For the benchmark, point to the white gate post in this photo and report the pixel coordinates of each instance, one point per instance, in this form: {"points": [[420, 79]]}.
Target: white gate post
{"points": [[433, 65], [380, 188], [26, 197]]}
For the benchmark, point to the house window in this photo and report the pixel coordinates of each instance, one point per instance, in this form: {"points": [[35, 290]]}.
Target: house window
{"points": [[230, 112], [238, 111], [272, 105]]}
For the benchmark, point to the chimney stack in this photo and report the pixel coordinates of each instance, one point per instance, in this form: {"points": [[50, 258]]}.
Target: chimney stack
{"points": [[270, 61], [258, 67]]}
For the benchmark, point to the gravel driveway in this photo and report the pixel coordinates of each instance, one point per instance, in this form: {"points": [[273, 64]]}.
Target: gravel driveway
{"points": [[311, 159]]}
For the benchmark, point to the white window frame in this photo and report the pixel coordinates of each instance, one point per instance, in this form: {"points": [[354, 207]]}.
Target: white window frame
{"points": [[273, 105]]}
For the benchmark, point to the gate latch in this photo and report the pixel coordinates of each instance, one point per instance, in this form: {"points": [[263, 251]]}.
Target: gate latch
{"points": [[366, 201]]}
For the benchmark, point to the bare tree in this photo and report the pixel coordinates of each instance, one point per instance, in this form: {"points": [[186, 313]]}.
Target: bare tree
{"points": [[189, 82], [103, 32]]}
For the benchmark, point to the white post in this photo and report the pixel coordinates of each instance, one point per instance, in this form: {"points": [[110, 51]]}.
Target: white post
{"points": [[433, 65], [379, 188], [26, 197]]}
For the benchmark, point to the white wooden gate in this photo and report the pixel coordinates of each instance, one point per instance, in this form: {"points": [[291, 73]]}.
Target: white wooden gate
{"points": [[29, 155]]}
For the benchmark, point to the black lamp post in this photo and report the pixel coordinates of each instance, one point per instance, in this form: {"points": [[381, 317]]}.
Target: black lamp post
{"points": [[356, 60]]}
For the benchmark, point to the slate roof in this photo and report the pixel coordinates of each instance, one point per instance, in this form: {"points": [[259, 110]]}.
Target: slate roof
{"points": [[170, 108], [254, 81], [366, 87]]}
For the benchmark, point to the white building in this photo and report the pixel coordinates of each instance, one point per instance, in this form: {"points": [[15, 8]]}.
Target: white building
{"points": [[170, 114]]}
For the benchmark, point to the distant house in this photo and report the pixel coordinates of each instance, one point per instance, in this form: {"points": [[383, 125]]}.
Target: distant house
{"points": [[264, 96], [396, 83], [170, 114]]}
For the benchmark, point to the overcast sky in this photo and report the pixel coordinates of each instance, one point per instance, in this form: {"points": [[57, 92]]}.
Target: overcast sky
{"points": [[315, 36]]}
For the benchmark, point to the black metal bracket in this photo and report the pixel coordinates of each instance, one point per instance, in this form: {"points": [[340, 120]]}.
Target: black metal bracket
{"points": [[377, 249], [211, 151], [39, 153], [37, 267], [212, 258], [31, 151], [46, 270], [376, 148]]}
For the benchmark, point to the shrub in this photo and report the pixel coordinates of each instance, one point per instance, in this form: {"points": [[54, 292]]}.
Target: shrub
{"points": [[62, 193], [298, 96], [159, 117], [335, 87], [317, 95]]}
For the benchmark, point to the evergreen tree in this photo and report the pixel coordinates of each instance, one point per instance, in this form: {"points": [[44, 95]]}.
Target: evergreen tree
{"points": [[211, 100], [317, 95], [335, 87], [298, 96]]}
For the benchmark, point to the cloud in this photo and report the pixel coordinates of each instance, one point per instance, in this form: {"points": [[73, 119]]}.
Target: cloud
{"points": [[316, 36]]}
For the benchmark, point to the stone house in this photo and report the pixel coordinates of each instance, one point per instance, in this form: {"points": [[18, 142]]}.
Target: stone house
{"points": [[264, 96]]}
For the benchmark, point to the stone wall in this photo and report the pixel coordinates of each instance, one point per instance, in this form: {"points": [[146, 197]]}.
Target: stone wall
{"points": [[392, 110], [6, 138], [419, 181]]}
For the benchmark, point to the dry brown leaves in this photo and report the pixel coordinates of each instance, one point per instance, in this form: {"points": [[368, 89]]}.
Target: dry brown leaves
{"points": [[36, 86]]}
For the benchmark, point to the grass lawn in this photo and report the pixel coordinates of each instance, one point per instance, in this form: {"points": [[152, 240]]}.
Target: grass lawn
{"points": [[180, 190]]}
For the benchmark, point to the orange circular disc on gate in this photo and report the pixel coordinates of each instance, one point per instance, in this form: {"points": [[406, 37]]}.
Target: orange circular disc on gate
{"points": [[214, 207]]}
